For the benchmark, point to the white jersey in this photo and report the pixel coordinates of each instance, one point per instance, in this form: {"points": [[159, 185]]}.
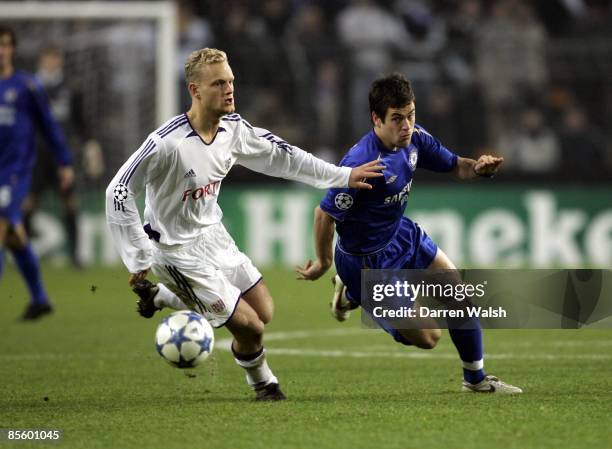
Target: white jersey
{"points": [[182, 176]]}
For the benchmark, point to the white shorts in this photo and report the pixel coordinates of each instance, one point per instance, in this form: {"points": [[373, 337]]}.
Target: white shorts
{"points": [[209, 275]]}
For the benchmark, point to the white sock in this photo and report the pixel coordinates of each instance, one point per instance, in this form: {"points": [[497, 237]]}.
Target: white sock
{"points": [[166, 298], [258, 373]]}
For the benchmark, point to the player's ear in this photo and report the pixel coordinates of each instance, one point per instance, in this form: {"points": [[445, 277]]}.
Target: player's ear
{"points": [[194, 90], [376, 120]]}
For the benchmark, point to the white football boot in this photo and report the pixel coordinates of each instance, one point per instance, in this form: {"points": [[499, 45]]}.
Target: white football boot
{"points": [[491, 384], [340, 306]]}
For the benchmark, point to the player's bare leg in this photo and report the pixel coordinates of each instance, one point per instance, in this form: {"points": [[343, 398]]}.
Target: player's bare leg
{"points": [[422, 338], [247, 328], [260, 299]]}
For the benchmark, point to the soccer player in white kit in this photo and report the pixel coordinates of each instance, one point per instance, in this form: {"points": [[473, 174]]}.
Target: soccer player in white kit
{"points": [[181, 166]]}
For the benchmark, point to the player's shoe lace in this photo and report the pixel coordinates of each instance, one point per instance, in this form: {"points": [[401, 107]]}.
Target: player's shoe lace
{"points": [[340, 306], [146, 292], [491, 384], [270, 392]]}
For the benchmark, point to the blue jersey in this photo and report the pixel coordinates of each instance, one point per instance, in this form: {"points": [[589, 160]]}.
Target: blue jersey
{"points": [[366, 220], [23, 107]]}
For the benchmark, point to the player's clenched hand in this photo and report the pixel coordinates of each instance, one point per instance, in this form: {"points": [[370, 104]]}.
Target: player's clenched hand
{"points": [[311, 271], [487, 165], [137, 277], [359, 174]]}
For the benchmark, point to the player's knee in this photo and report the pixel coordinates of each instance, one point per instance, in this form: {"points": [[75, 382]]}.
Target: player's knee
{"points": [[266, 316], [260, 300], [429, 339], [426, 343], [249, 337], [254, 331], [266, 313]]}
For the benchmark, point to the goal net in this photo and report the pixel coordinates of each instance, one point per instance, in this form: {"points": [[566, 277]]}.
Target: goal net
{"points": [[119, 56], [120, 59]]}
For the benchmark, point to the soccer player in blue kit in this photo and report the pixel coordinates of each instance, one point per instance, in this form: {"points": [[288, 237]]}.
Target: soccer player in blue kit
{"points": [[373, 232], [23, 106]]}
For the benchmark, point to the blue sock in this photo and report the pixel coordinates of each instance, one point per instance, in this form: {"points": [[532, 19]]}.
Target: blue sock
{"points": [[468, 342], [28, 266]]}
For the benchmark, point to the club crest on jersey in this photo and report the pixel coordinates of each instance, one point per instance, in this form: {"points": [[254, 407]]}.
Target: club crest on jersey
{"points": [[10, 95], [343, 201], [413, 157]]}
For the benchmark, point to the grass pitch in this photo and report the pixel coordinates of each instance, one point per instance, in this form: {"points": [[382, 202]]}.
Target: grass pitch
{"points": [[105, 386]]}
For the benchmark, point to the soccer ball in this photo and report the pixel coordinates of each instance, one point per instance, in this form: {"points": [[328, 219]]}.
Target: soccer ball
{"points": [[184, 339]]}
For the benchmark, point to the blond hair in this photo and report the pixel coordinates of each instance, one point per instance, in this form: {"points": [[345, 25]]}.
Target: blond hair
{"points": [[200, 58]]}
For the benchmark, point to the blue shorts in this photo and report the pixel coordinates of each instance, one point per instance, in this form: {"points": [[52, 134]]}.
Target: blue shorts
{"points": [[13, 191], [411, 248]]}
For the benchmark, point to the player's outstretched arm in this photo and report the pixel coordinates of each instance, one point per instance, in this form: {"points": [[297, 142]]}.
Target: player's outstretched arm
{"points": [[362, 173], [485, 167], [263, 152], [324, 227]]}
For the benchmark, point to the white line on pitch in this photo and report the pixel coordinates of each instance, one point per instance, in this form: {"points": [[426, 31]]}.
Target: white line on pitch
{"points": [[225, 345], [307, 352]]}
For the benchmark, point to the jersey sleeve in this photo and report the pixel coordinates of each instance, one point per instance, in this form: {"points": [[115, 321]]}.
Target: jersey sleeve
{"points": [[39, 105], [338, 202], [263, 152], [122, 215], [432, 154]]}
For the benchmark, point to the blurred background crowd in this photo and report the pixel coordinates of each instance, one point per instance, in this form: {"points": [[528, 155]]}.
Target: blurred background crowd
{"points": [[529, 80]]}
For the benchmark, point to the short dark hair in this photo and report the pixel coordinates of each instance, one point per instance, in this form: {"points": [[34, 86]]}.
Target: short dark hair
{"points": [[390, 91], [7, 30]]}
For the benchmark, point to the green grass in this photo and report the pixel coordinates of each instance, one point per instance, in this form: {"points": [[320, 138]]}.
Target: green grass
{"points": [[94, 360]]}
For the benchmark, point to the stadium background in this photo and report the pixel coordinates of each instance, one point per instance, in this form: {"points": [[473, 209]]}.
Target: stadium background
{"points": [[526, 79]]}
